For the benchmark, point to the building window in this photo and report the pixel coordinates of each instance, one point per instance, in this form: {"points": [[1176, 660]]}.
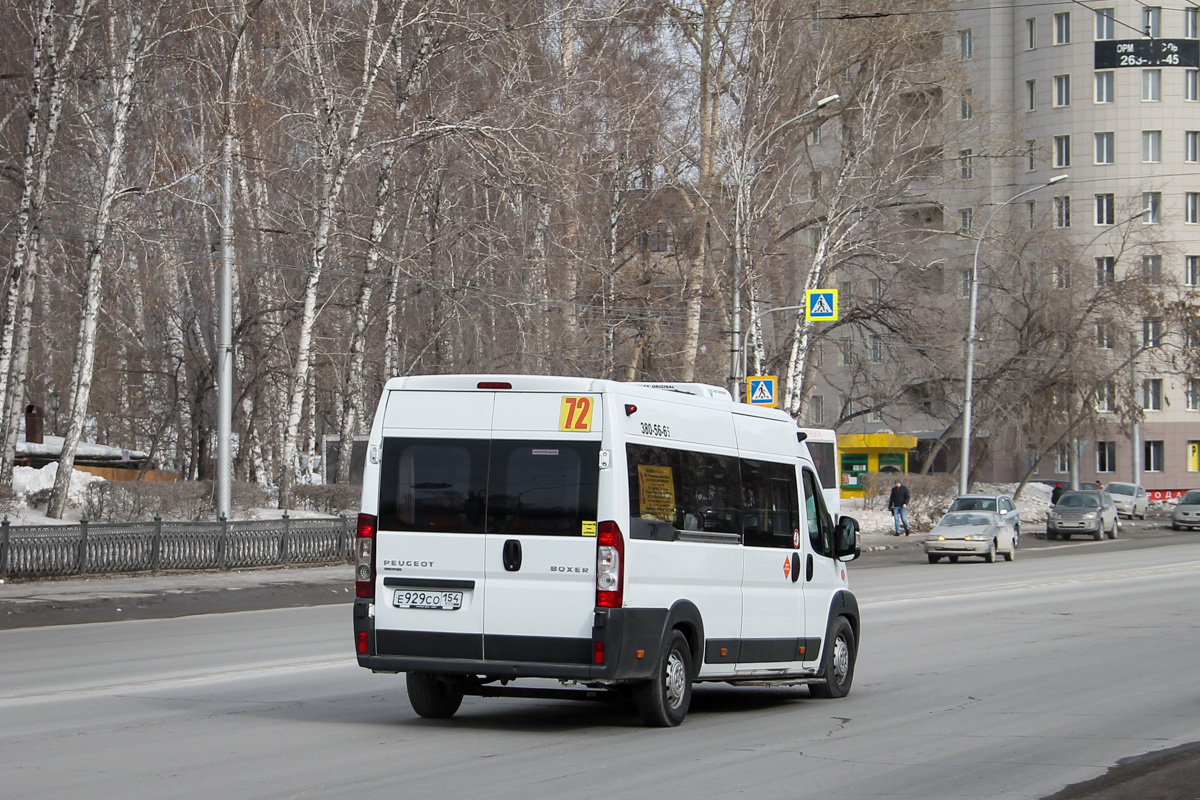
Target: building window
{"points": [[1191, 208], [1032, 206], [966, 43], [1105, 210], [964, 285], [1191, 271], [1151, 146], [1191, 84], [1105, 147], [1106, 456], [814, 136], [1030, 155], [1191, 146], [1062, 27], [1105, 335], [1030, 34], [814, 188], [816, 410], [1105, 83], [1154, 455], [1152, 205], [965, 110], [966, 169], [845, 355], [1062, 150], [1062, 90], [1191, 23], [1106, 397], [1152, 22], [1151, 85], [1152, 394], [1193, 394], [966, 220], [877, 415], [1105, 27], [1106, 270], [1062, 277], [875, 287], [1031, 95], [1062, 459], [1152, 333], [1152, 269], [1062, 212], [876, 349]]}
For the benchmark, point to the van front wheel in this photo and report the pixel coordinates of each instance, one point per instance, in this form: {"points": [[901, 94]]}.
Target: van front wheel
{"points": [[663, 701], [837, 662], [433, 698]]}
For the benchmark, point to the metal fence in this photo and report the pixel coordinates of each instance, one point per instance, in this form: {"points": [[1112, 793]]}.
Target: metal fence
{"points": [[44, 551]]}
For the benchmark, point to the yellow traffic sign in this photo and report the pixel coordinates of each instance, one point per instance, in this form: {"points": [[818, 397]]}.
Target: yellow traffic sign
{"points": [[761, 390], [821, 305]]}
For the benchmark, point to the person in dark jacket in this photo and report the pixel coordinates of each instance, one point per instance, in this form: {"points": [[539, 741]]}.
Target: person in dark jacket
{"points": [[898, 505], [1057, 493]]}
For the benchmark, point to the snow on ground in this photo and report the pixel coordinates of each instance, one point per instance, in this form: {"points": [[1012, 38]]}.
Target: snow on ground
{"points": [[1033, 505]]}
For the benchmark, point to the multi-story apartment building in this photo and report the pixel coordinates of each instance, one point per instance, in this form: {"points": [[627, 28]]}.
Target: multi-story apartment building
{"points": [[1108, 93]]}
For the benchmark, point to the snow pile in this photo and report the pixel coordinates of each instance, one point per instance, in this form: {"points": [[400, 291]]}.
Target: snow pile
{"points": [[1033, 505], [28, 482]]}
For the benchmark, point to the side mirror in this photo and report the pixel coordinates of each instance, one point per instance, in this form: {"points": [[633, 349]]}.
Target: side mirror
{"points": [[847, 541]]}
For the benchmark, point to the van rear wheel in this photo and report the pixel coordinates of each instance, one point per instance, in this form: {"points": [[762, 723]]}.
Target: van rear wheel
{"points": [[432, 697], [663, 701]]}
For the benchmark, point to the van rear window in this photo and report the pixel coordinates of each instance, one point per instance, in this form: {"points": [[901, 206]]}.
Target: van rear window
{"points": [[479, 486]]}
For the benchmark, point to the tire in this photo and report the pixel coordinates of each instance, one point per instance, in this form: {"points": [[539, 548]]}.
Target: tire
{"points": [[1016, 538], [953, 559], [1051, 535], [1099, 534], [1012, 552], [1066, 537], [932, 558], [837, 662], [1175, 527], [431, 697], [990, 555], [1112, 534], [663, 701]]}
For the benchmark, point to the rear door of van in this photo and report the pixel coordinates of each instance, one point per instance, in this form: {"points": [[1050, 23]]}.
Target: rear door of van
{"points": [[540, 550], [430, 545]]}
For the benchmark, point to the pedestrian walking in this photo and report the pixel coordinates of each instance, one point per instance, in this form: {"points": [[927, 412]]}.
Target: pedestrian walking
{"points": [[1057, 493], [898, 505]]}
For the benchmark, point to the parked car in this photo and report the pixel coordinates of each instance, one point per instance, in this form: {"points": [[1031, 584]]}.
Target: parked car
{"points": [[1083, 512], [971, 533], [1187, 511], [1001, 504], [1131, 499]]}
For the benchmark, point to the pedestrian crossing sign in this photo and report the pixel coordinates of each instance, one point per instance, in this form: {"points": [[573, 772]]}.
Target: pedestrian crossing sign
{"points": [[821, 305], [761, 391]]}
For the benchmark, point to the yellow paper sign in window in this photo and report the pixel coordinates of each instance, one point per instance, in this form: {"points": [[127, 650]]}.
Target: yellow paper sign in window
{"points": [[656, 492], [575, 414]]}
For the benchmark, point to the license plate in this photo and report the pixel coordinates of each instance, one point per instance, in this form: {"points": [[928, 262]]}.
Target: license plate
{"points": [[437, 601]]}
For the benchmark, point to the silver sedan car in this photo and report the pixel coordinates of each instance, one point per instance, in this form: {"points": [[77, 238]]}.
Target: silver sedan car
{"points": [[971, 533], [1186, 513]]}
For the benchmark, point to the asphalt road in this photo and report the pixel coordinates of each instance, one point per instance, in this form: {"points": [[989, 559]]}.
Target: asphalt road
{"points": [[975, 680]]}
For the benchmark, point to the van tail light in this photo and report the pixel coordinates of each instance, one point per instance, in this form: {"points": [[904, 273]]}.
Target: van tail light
{"points": [[610, 566], [364, 564]]}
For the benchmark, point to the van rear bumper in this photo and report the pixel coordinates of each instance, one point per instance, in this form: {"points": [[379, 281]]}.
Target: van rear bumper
{"points": [[619, 634]]}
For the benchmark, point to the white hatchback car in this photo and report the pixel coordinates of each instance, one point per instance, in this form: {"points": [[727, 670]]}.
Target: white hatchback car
{"points": [[1131, 499]]}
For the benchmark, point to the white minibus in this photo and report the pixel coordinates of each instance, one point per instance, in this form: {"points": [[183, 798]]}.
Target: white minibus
{"points": [[614, 537]]}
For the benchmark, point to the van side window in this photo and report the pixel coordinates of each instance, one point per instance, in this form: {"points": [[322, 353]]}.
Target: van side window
{"points": [[769, 504], [689, 491], [820, 525]]}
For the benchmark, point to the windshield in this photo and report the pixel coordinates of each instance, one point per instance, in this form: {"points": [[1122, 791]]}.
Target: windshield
{"points": [[974, 504], [1078, 501], [964, 518], [1192, 498], [1120, 488]]}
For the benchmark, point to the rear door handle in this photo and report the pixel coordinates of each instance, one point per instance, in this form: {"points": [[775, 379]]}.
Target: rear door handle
{"points": [[809, 571], [795, 567], [512, 555]]}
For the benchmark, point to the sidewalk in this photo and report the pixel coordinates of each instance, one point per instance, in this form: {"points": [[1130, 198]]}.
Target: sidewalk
{"points": [[102, 598]]}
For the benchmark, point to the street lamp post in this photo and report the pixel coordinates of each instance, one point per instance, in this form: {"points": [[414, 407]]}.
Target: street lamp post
{"points": [[964, 469], [735, 368]]}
